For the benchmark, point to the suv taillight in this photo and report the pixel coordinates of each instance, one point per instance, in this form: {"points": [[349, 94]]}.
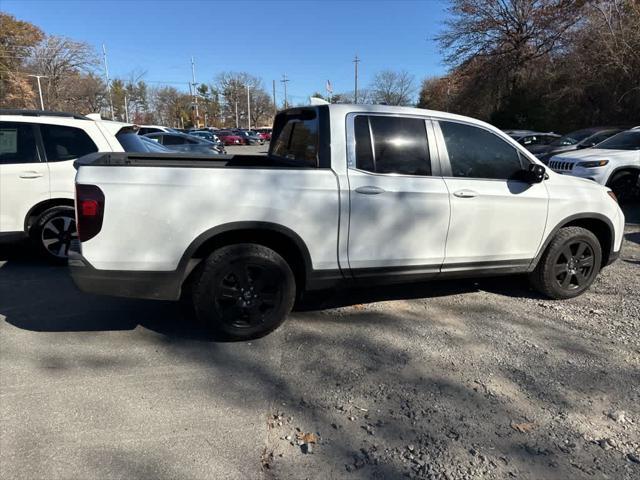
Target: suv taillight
{"points": [[89, 211]]}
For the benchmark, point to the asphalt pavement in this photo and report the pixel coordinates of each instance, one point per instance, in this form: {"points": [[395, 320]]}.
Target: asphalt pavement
{"points": [[427, 383]]}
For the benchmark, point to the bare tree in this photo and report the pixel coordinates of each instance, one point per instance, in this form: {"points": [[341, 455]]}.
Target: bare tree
{"points": [[57, 58], [393, 88], [83, 94], [519, 29], [233, 87]]}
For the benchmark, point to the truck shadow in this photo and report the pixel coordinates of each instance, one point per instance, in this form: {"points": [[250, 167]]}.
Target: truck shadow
{"points": [[39, 297]]}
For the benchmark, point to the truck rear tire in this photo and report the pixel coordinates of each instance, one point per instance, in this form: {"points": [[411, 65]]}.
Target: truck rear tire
{"points": [[569, 265], [243, 291]]}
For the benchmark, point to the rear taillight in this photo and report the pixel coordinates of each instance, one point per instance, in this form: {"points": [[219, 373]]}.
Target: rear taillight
{"points": [[89, 210]]}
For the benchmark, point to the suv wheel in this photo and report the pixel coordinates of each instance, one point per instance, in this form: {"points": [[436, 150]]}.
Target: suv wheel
{"points": [[243, 291], [569, 265], [624, 185], [53, 232]]}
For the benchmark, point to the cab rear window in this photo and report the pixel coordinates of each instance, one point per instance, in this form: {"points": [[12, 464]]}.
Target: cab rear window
{"points": [[297, 141]]}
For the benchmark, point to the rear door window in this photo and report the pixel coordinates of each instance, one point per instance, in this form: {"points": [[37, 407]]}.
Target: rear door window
{"points": [[18, 143], [389, 144], [65, 143]]}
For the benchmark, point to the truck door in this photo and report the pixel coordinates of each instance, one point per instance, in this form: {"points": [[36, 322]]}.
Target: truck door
{"points": [[497, 221], [399, 203]]}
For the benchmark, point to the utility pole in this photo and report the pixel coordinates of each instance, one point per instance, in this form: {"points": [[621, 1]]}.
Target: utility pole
{"points": [[126, 108], [237, 123], [275, 105], [284, 81], [196, 121], [38, 77], [248, 108], [106, 78], [356, 60]]}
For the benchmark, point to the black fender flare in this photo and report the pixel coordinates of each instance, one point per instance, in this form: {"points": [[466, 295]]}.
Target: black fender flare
{"points": [[567, 220]]}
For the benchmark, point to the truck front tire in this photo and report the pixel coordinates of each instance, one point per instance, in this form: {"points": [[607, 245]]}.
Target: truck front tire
{"points": [[569, 265], [243, 291]]}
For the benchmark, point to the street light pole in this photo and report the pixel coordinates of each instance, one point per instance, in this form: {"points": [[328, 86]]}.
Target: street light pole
{"points": [[196, 122], [248, 108], [356, 60], [106, 76], [38, 77]]}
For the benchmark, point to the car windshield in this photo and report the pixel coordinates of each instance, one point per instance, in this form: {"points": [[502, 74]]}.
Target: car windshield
{"points": [[132, 142], [573, 138], [623, 141]]}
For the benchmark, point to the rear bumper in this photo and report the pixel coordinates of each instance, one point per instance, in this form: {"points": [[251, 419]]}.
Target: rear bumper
{"points": [[124, 283]]}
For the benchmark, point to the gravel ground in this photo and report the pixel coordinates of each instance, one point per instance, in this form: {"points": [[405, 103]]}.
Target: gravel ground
{"points": [[491, 383], [449, 380]]}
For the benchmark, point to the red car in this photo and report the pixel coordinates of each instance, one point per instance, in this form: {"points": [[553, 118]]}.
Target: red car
{"points": [[264, 133], [229, 138]]}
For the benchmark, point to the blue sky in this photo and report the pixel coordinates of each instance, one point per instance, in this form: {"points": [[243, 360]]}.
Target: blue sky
{"points": [[310, 41]]}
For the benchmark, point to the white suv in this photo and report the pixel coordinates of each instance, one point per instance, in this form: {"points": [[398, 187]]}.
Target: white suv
{"points": [[37, 151], [614, 163]]}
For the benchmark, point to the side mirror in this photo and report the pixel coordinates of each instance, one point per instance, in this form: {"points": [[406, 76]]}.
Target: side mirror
{"points": [[536, 173]]}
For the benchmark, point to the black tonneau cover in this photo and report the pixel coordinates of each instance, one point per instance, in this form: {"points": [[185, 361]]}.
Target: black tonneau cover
{"points": [[184, 160]]}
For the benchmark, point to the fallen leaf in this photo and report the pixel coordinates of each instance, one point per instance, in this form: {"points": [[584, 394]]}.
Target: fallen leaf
{"points": [[307, 437], [525, 427]]}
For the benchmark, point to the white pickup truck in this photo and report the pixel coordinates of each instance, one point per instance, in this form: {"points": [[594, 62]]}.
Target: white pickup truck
{"points": [[347, 193]]}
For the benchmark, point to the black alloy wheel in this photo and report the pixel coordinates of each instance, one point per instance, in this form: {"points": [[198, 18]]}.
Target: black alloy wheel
{"points": [[247, 293], [569, 264], [574, 265], [242, 291]]}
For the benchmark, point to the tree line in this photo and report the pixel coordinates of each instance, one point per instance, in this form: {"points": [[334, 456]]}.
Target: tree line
{"points": [[554, 65], [72, 81]]}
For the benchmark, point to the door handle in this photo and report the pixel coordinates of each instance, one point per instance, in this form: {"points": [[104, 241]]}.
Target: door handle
{"points": [[370, 190], [465, 193], [30, 174]]}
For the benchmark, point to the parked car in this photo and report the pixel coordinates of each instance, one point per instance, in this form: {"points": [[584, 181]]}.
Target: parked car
{"points": [[229, 138], [181, 142], [360, 193], [133, 142], [535, 142], [207, 135], [145, 129], [614, 163], [250, 137], [577, 140], [265, 133], [37, 151]]}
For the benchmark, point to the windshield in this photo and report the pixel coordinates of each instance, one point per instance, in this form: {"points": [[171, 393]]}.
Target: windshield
{"points": [[572, 138], [623, 141]]}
